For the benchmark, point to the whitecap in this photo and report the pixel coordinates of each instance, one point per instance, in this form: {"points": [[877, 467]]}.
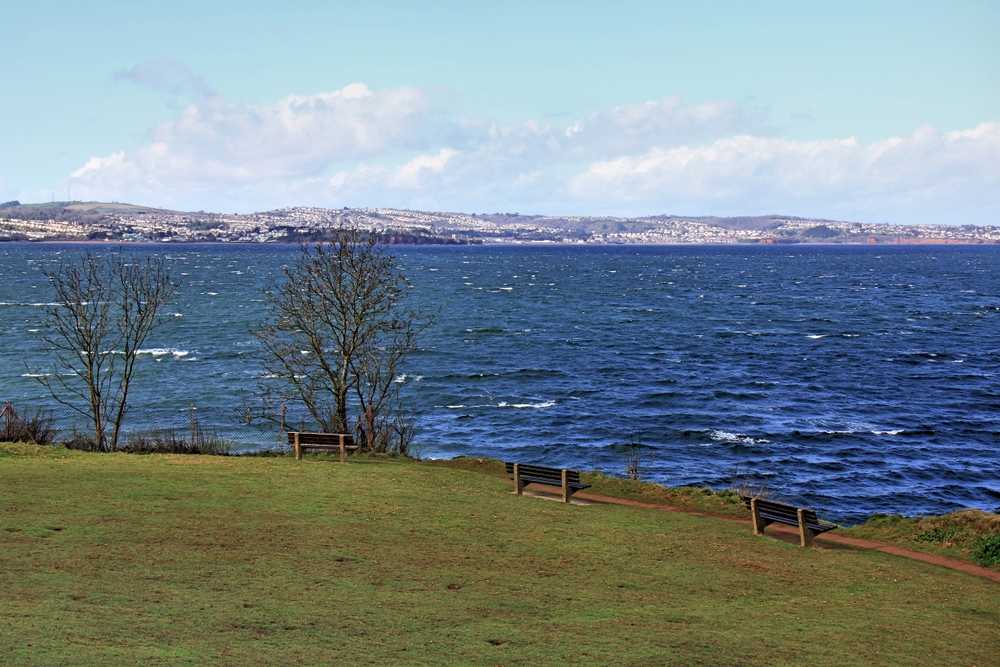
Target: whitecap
{"points": [[725, 436], [35, 375], [537, 406], [816, 337]]}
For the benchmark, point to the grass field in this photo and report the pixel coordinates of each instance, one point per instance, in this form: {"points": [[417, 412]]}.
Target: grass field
{"points": [[123, 559]]}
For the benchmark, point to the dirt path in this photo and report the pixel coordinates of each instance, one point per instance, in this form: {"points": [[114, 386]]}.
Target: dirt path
{"points": [[791, 534]]}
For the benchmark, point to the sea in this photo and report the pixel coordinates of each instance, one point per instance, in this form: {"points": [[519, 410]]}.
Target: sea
{"points": [[853, 379]]}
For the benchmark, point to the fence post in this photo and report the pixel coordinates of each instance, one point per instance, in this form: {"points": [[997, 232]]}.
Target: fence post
{"points": [[192, 426], [281, 433]]}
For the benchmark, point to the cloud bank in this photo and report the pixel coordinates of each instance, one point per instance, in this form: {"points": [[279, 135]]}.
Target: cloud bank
{"points": [[401, 147]]}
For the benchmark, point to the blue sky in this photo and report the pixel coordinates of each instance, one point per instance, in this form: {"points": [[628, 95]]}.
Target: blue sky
{"points": [[883, 111]]}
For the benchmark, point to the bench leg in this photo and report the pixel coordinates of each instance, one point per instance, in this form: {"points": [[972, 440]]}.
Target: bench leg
{"points": [[805, 535], [565, 487], [517, 479], [758, 523], [298, 448]]}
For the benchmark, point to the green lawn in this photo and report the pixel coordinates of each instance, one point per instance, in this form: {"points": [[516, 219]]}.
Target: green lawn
{"points": [[124, 559]]}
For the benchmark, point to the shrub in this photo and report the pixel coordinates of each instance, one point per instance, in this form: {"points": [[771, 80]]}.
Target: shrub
{"points": [[935, 535], [82, 442], [988, 551], [26, 424], [169, 442]]}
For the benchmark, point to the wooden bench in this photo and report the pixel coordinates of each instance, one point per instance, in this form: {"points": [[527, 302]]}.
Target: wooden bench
{"points": [[525, 474], [766, 512], [301, 441]]}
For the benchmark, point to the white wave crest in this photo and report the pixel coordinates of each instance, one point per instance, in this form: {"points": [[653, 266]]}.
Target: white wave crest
{"points": [[522, 406], [164, 351], [725, 436]]}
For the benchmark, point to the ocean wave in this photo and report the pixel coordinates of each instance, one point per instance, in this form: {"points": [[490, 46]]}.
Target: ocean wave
{"points": [[725, 436], [164, 351], [856, 431], [521, 406], [20, 303]]}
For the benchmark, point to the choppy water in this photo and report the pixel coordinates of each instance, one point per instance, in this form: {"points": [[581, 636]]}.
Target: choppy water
{"points": [[862, 379]]}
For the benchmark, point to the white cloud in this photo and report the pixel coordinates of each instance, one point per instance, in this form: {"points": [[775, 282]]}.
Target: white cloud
{"points": [[398, 147], [942, 171], [217, 144]]}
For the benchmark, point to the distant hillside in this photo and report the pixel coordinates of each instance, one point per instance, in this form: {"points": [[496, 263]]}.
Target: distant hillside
{"points": [[114, 221]]}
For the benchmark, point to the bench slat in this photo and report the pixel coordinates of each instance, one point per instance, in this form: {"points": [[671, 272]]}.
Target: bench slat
{"points": [[302, 441], [542, 471], [320, 438], [532, 474], [771, 511]]}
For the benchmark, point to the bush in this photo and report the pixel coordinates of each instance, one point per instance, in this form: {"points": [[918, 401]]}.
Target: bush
{"points": [[935, 535], [26, 424], [988, 551], [164, 442], [82, 442], [169, 442]]}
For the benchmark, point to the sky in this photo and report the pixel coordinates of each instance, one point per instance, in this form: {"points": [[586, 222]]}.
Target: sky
{"points": [[880, 112]]}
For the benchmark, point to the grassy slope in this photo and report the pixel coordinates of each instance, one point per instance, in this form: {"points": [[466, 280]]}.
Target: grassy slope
{"points": [[114, 559], [686, 497], [956, 534]]}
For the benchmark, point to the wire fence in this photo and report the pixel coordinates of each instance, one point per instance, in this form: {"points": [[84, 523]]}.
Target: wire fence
{"points": [[192, 429]]}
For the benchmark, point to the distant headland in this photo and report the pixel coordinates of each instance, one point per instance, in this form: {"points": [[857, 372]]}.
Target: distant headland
{"points": [[114, 221]]}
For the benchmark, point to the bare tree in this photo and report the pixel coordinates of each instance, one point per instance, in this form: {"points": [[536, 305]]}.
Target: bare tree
{"points": [[337, 334], [106, 307], [635, 458]]}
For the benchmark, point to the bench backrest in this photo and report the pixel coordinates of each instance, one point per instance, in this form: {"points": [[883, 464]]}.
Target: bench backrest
{"points": [[782, 511], [321, 438], [541, 472]]}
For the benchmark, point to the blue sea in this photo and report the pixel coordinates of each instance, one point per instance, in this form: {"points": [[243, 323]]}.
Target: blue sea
{"points": [[856, 379]]}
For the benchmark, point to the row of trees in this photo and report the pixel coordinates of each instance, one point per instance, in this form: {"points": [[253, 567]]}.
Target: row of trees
{"points": [[342, 301]]}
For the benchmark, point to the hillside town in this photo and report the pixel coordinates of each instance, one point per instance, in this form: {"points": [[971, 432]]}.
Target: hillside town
{"points": [[95, 221]]}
